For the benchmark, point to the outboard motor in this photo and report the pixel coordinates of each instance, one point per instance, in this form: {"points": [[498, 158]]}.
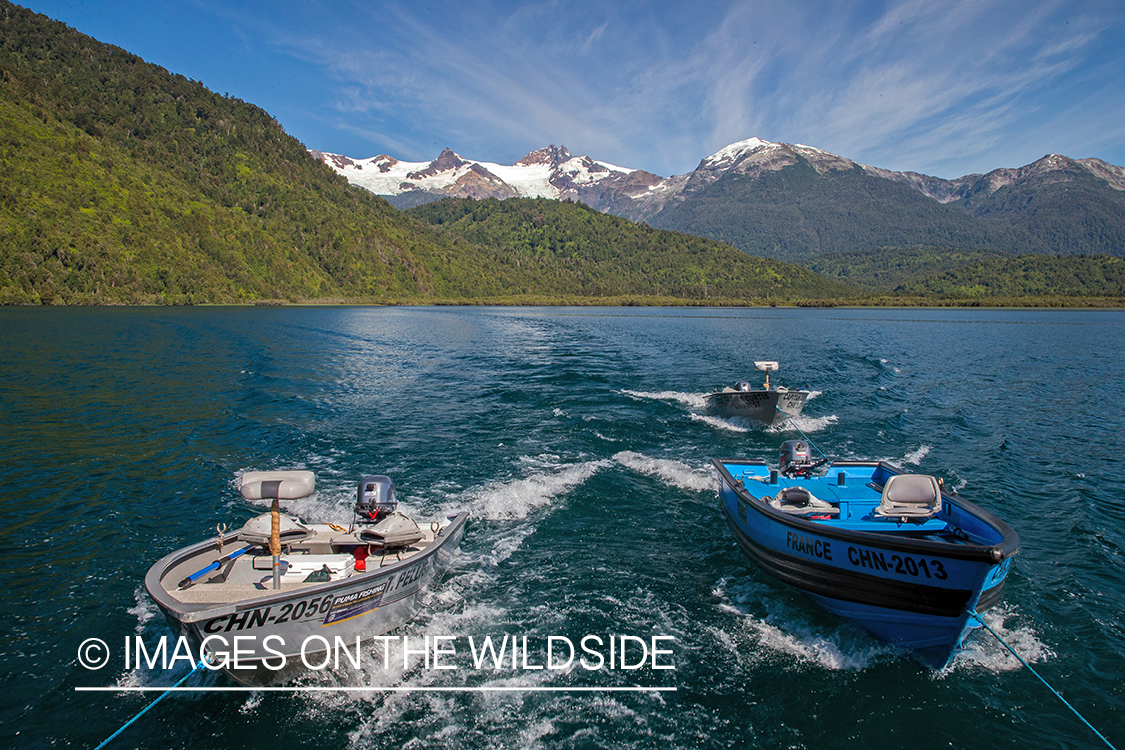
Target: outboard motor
{"points": [[795, 459], [375, 499]]}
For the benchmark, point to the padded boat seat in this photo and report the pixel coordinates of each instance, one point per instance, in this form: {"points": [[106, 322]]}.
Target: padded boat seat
{"points": [[798, 501], [910, 496], [284, 485], [396, 530]]}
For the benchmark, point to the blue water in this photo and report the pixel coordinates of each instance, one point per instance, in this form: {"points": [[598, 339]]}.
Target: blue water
{"points": [[578, 440]]}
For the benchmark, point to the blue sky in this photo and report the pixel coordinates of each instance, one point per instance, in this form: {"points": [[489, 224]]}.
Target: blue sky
{"points": [[942, 87]]}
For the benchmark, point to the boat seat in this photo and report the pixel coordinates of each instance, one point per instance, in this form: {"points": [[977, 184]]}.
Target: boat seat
{"points": [[910, 496], [798, 501]]}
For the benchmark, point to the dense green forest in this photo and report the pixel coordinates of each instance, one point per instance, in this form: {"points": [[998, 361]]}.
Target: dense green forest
{"points": [[889, 268], [942, 275], [571, 247], [123, 183], [1096, 276]]}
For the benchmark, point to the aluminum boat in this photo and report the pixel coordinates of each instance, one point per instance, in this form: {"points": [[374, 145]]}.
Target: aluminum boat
{"points": [[766, 405], [264, 603]]}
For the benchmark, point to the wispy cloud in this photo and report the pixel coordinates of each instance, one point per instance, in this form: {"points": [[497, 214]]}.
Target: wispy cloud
{"points": [[945, 85]]}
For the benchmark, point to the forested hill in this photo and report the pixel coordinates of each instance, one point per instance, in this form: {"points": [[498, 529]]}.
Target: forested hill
{"points": [[569, 246], [123, 183], [980, 276], [1077, 276]]}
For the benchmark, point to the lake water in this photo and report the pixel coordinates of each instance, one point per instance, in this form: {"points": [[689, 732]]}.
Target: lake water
{"points": [[578, 440]]}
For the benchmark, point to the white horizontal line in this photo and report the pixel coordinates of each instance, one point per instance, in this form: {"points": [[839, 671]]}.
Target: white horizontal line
{"points": [[375, 689]]}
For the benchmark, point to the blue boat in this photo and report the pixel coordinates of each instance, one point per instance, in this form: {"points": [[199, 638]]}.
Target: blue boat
{"points": [[898, 554]]}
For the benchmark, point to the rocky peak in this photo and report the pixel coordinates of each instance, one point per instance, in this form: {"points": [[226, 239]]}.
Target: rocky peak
{"points": [[755, 156], [552, 155], [1112, 174], [446, 161], [335, 160], [384, 163]]}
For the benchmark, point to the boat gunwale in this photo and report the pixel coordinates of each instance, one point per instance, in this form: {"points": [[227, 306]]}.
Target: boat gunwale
{"points": [[191, 612], [973, 552]]}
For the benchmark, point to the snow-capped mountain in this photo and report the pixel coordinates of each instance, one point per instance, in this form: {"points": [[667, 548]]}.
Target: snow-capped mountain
{"points": [[754, 157], [551, 172], [724, 197]]}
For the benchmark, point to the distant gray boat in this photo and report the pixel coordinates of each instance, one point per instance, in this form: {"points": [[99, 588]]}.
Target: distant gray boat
{"points": [[286, 588], [767, 405]]}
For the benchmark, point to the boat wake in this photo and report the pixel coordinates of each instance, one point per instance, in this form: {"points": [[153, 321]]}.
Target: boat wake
{"points": [[804, 424], [519, 500], [513, 499], [981, 650], [691, 400], [697, 406], [780, 630], [743, 424], [915, 457], [733, 424], [676, 473]]}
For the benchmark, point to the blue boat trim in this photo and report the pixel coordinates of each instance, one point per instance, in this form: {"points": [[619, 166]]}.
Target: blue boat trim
{"points": [[994, 553]]}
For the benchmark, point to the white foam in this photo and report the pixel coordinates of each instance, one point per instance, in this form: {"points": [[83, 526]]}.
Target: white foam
{"points": [[675, 473], [733, 424], [804, 423], [692, 400], [915, 457], [981, 650], [832, 650], [887, 363], [510, 499], [250, 705], [782, 630], [144, 610]]}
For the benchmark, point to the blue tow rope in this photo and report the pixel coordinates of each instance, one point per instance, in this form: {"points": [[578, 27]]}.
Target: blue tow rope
{"points": [[798, 429], [163, 695], [1004, 643]]}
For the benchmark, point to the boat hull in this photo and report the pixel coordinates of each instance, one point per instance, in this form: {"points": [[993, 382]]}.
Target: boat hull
{"points": [[766, 407], [282, 634], [912, 589]]}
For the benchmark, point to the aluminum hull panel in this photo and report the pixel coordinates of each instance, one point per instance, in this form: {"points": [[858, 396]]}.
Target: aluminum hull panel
{"points": [[762, 406]]}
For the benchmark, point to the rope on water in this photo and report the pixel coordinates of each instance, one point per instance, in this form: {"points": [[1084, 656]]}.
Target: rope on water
{"points": [[163, 695], [1004, 643], [798, 429]]}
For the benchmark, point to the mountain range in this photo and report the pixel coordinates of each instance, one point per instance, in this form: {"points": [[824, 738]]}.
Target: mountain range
{"points": [[123, 183], [794, 202]]}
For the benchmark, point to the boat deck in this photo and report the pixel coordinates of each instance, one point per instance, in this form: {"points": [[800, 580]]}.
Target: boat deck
{"points": [[855, 489], [250, 575]]}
